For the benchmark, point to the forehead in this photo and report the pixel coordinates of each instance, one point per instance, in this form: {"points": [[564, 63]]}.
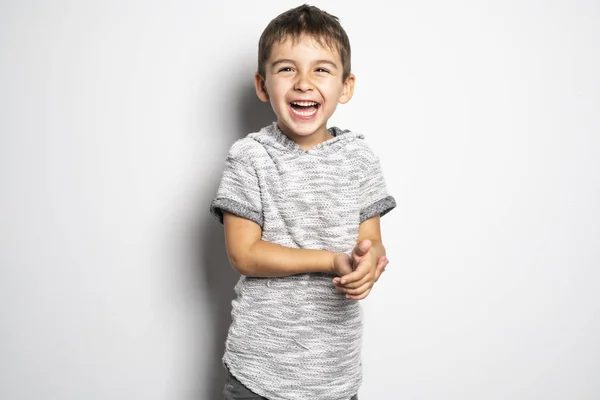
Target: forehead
{"points": [[305, 47]]}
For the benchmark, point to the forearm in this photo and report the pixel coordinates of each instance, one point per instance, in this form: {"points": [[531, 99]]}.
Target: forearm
{"points": [[252, 256], [265, 259]]}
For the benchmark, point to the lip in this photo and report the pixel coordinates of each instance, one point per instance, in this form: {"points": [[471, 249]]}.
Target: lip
{"points": [[304, 101]]}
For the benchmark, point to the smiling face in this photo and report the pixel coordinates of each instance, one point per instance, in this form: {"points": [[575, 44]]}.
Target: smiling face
{"points": [[304, 83]]}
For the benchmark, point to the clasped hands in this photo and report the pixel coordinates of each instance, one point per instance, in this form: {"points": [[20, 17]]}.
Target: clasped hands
{"points": [[358, 272]]}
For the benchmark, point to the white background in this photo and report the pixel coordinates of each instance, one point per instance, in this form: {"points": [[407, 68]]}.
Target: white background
{"points": [[115, 119]]}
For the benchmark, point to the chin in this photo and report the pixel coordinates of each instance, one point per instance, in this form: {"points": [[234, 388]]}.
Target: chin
{"points": [[305, 132]]}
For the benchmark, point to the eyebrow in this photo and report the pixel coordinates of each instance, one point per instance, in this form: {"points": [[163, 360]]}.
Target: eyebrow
{"points": [[285, 60]]}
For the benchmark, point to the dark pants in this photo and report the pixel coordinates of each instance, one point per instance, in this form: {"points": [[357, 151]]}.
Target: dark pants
{"points": [[235, 390]]}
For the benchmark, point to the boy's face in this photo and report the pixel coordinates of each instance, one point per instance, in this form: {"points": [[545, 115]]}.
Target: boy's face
{"points": [[303, 82]]}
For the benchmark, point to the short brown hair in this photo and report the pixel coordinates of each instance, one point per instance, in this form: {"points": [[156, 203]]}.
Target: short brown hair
{"points": [[305, 20]]}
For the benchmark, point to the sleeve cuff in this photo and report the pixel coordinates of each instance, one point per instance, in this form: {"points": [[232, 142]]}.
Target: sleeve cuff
{"points": [[219, 205], [380, 207]]}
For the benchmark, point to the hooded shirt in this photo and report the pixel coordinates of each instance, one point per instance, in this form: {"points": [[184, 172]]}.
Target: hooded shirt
{"points": [[298, 337]]}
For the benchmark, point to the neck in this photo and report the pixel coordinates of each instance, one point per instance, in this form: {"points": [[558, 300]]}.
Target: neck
{"points": [[308, 142]]}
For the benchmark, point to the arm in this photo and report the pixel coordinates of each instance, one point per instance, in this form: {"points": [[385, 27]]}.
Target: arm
{"points": [[368, 255], [251, 256]]}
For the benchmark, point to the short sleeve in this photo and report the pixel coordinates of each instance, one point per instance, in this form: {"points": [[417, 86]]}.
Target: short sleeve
{"points": [[376, 199], [239, 191]]}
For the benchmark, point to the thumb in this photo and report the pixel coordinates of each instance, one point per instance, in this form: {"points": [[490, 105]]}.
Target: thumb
{"points": [[362, 248]]}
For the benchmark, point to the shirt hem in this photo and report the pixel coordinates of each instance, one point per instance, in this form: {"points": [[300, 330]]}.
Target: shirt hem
{"points": [[221, 204], [380, 207]]}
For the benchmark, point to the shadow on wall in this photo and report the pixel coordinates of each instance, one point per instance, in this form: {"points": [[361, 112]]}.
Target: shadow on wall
{"points": [[215, 273]]}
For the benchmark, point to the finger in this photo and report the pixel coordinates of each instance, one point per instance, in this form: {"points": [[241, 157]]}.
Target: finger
{"points": [[355, 278], [380, 268], [381, 262], [356, 275], [360, 290], [380, 273], [355, 292], [362, 248], [370, 277], [362, 268], [359, 297]]}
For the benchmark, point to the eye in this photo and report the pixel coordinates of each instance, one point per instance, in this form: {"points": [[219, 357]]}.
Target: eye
{"points": [[285, 69], [322, 70]]}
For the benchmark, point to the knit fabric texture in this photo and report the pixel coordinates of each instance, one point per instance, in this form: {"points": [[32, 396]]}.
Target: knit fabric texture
{"points": [[298, 337]]}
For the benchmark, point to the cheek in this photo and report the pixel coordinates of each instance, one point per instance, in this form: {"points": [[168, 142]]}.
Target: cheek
{"points": [[334, 94], [276, 90], [334, 89]]}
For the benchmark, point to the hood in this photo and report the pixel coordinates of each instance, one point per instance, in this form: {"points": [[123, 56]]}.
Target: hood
{"points": [[272, 137]]}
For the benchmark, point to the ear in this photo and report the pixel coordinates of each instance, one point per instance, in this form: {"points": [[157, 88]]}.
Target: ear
{"points": [[261, 89], [348, 90]]}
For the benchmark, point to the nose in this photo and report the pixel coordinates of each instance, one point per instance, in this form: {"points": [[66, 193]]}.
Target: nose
{"points": [[303, 83]]}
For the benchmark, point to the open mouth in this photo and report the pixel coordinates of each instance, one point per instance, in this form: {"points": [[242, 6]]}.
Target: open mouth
{"points": [[304, 109]]}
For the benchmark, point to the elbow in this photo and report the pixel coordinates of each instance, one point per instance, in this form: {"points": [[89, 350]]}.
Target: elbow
{"points": [[242, 262]]}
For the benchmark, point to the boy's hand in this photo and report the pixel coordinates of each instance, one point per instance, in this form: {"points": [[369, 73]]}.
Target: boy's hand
{"points": [[358, 284], [341, 264]]}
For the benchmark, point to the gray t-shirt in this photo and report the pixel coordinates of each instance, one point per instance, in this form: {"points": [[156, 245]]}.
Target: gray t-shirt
{"points": [[298, 337]]}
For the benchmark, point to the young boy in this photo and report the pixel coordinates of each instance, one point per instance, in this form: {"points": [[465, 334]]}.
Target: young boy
{"points": [[300, 205]]}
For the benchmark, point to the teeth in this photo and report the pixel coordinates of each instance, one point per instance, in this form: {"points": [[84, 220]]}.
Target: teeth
{"points": [[304, 103], [304, 113]]}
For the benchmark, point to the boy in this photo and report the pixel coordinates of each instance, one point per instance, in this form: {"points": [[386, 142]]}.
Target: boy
{"points": [[300, 205]]}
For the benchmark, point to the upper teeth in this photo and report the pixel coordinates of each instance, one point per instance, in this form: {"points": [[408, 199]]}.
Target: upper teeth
{"points": [[304, 103]]}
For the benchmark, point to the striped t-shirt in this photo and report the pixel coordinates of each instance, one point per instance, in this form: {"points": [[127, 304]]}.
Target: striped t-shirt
{"points": [[298, 337]]}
